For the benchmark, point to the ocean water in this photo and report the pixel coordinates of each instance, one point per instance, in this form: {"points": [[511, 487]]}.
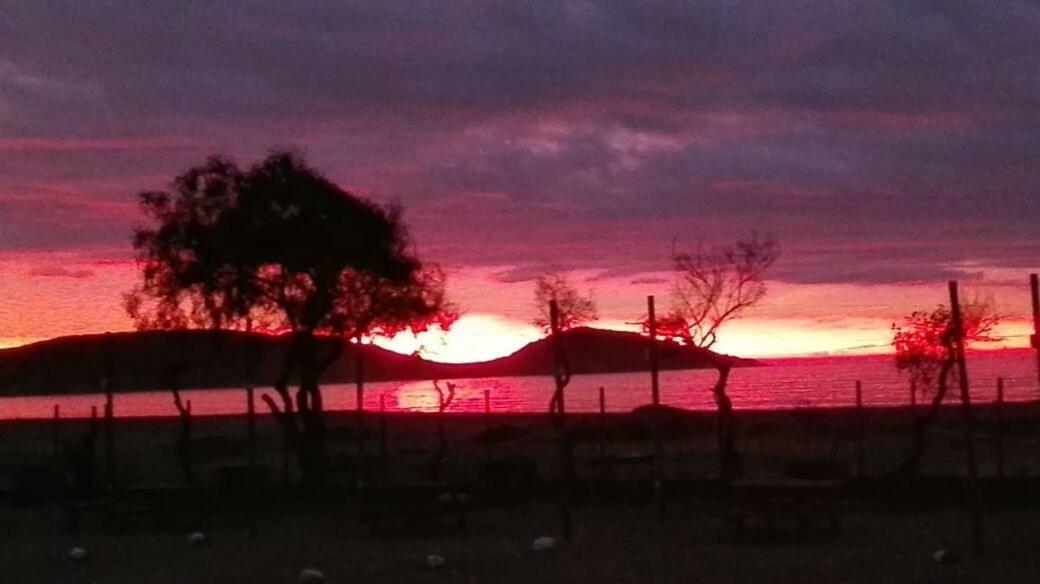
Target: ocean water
{"points": [[782, 384]]}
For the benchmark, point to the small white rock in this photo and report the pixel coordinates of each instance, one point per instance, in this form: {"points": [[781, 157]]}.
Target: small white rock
{"points": [[77, 554], [311, 576], [444, 498], [945, 556], [434, 560], [197, 539], [544, 543]]}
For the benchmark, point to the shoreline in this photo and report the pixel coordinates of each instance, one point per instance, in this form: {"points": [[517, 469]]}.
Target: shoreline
{"points": [[952, 403]]}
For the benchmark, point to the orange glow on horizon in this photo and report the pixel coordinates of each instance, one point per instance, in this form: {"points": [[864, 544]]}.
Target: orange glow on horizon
{"points": [[48, 295], [474, 337]]}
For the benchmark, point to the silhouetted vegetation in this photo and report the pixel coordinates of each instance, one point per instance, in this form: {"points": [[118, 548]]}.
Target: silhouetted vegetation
{"points": [[184, 454], [574, 308], [282, 245], [925, 349], [445, 397], [712, 288]]}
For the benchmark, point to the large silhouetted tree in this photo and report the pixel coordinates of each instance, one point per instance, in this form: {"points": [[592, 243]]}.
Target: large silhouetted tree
{"points": [[925, 349], [714, 287], [280, 244], [574, 308]]}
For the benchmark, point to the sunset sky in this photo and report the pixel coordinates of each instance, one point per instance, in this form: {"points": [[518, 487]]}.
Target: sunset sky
{"points": [[888, 147]]}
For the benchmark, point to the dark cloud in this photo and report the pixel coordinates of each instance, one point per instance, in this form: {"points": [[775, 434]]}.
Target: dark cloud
{"points": [[50, 271], [650, 280], [880, 142]]}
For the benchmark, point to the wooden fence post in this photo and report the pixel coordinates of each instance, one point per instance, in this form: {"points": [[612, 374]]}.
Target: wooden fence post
{"points": [[969, 420], [859, 430], [1000, 427], [602, 420], [913, 410], [655, 394], [110, 437], [250, 395], [188, 453], [251, 425], [56, 436], [383, 449], [1034, 285], [655, 391], [561, 377], [487, 424], [91, 453], [359, 391]]}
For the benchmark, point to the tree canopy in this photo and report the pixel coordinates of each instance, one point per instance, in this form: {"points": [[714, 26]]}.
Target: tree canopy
{"points": [[282, 245], [716, 286], [279, 245], [924, 343], [573, 308]]}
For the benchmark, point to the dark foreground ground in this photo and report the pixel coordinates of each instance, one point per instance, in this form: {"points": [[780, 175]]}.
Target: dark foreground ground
{"points": [[611, 545], [617, 539]]}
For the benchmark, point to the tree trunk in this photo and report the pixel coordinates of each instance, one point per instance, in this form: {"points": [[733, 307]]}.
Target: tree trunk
{"points": [[922, 424], [305, 431], [311, 445], [359, 391], [184, 455], [730, 463], [183, 446], [442, 447]]}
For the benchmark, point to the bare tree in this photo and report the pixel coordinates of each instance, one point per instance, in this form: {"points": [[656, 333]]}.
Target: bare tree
{"points": [[712, 288], [925, 349], [574, 309]]}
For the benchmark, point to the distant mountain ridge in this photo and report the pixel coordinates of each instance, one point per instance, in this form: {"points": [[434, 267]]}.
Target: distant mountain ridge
{"points": [[143, 360]]}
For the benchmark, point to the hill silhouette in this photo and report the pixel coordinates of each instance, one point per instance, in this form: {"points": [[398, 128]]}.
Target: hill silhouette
{"points": [[142, 360]]}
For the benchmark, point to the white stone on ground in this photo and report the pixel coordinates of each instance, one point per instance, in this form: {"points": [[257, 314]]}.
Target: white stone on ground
{"points": [[544, 543], [77, 554], [311, 576], [434, 560], [197, 539]]}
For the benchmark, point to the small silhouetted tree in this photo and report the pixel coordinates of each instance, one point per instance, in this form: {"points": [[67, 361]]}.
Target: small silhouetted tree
{"points": [[712, 288], [171, 379], [574, 308], [445, 397], [280, 244], [925, 349]]}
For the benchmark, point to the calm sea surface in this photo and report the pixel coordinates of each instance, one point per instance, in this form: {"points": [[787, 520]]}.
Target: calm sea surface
{"points": [[791, 383]]}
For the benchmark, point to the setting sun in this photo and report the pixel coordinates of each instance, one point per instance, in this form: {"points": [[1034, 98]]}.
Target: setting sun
{"points": [[474, 337]]}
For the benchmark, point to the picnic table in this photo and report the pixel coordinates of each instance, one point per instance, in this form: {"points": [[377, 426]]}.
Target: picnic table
{"points": [[773, 501]]}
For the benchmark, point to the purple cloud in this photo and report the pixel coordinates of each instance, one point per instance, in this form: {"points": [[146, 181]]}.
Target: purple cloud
{"points": [[879, 142]]}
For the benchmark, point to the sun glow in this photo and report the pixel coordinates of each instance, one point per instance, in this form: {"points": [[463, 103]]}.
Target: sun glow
{"points": [[474, 337]]}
